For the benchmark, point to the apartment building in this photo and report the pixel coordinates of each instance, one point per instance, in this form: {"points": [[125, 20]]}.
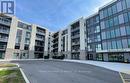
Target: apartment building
{"points": [[70, 42], [21, 40], [108, 33], [103, 36]]}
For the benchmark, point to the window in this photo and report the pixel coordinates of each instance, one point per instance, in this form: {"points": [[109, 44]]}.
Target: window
{"points": [[97, 29], [111, 22], [123, 31], [128, 43], [125, 43], [128, 30], [119, 6], [119, 44], [108, 34], [126, 17], [128, 3], [129, 15], [121, 19], [19, 36], [116, 21], [104, 46], [98, 47], [102, 25], [114, 9], [106, 23], [98, 38], [109, 45], [123, 4], [112, 34], [97, 19], [28, 34], [110, 11], [105, 13], [117, 32], [114, 46], [27, 41], [101, 14], [103, 35]]}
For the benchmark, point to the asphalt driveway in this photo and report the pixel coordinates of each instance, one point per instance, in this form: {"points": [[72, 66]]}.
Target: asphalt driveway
{"points": [[50, 71]]}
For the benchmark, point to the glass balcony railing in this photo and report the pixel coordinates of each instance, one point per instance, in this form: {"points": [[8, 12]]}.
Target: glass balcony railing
{"points": [[5, 21], [4, 31], [4, 39], [75, 43], [3, 47], [75, 36], [41, 39]]}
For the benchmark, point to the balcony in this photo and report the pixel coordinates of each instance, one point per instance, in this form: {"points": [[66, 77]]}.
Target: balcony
{"points": [[40, 33], [75, 43], [39, 45], [75, 29], [2, 47], [40, 39], [76, 50], [3, 39], [4, 31], [75, 36], [5, 22]]}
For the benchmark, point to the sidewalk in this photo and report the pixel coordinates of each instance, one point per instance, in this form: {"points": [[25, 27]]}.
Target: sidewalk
{"points": [[119, 67]]}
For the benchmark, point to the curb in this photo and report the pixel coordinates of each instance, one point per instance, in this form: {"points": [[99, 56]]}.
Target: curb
{"points": [[23, 74]]}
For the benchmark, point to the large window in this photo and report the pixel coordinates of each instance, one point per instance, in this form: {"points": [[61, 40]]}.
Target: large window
{"points": [[112, 34], [128, 3], [119, 44], [117, 31], [124, 43], [107, 23], [123, 4], [126, 17], [123, 31], [128, 43], [119, 6], [105, 13], [98, 47], [104, 45], [111, 22], [114, 9], [108, 34], [109, 45], [101, 14], [109, 11], [116, 21], [128, 30], [102, 25], [121, 19], [103, 35], [97, 29], [114, 45]]}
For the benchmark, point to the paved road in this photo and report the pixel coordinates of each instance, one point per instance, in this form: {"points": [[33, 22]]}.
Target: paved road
{"points": [[67, 72]]}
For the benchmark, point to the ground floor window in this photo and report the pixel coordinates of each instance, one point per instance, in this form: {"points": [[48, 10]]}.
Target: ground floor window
{"points": [[89, 57], [99, 57], [2, 55], [75, 56], [116, 57], [38, 55]]}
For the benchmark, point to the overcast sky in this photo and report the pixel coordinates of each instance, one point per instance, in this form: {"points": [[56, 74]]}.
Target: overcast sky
{"points": [[56, 14]]}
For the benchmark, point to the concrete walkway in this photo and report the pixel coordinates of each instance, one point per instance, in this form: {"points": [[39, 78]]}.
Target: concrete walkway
{"points": [[120, 67]]}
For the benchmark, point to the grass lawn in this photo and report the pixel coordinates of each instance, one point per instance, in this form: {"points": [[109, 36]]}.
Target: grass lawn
{"points": [[11, 76], [7, 65]]}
